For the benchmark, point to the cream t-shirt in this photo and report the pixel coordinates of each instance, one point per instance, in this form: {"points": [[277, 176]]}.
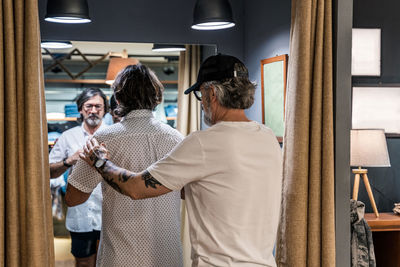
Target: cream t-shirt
{"points": [[232, 174]]}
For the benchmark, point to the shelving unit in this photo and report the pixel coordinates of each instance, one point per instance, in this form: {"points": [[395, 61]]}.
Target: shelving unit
{"points": [[386, 237], [95, 81], [63, 119]]}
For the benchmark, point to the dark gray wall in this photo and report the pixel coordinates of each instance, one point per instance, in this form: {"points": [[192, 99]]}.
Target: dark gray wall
{"points": [[266, 34], [383, 14], [146, 21]]}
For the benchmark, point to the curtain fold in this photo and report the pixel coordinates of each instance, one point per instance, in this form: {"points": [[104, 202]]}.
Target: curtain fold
{"points": [[188, 106], [26, 226], [188, 121], [306, 235]]}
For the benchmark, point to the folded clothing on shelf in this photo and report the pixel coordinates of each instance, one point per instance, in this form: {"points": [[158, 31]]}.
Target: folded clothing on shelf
{"points": [[71, 110]]}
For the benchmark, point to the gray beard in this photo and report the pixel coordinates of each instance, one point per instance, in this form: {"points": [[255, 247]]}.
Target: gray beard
{"points": [[92, 121], [207, 119]]}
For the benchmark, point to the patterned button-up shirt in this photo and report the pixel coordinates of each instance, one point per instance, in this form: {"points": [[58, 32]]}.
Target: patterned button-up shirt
{"points": [[135, 232], [85, 217]]}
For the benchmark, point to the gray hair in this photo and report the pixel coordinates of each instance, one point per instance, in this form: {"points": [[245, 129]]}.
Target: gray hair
{"points": [[237, 92]]}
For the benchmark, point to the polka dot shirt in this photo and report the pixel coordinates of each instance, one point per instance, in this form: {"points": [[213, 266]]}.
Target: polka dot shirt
{"points": [[143, 233]]}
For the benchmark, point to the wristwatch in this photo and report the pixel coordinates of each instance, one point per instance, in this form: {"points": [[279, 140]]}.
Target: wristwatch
{"points": [[100, 163], [66, 164]]}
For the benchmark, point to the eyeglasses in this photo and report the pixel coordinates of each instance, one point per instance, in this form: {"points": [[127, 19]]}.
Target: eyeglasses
{"points": [[90, 107], [197, 94]]}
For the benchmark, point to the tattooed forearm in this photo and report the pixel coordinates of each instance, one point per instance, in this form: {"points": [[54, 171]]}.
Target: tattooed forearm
{"points": [[114, 185], [108, 171], [124, 176], [150, 180], [134, 185]]}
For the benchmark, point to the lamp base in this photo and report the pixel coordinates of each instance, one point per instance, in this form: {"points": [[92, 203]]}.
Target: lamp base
{"points": [[363, 172]]}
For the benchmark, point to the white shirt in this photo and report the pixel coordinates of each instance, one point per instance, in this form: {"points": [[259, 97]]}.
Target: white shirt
{"points": [[232, 173], [85, 217], [143, 233]]}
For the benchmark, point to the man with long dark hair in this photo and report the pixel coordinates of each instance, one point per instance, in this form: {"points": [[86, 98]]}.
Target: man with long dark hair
{"points": [[134, 233], [83, 221]]}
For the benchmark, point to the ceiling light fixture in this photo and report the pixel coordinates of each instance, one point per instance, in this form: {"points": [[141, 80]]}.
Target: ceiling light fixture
{"points": [[67, 11], [212, 15], [168, 48], [56, 44], [116, 64]]}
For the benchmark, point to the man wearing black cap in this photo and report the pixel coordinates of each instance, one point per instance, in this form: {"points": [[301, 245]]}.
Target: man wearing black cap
{"points": [[231, 172]]}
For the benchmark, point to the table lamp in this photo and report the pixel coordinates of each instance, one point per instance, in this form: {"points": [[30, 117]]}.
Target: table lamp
{"points": [[368, 149]]}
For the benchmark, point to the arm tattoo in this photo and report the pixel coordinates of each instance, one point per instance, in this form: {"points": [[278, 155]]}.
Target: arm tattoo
{"points": [[150, 180], [124, 176], [107, 172], [116, 177]]}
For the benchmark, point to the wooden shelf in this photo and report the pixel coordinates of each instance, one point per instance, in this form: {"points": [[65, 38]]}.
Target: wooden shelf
{"points": [[386, 238], [63, 119], [92, 81], [387, 221]]}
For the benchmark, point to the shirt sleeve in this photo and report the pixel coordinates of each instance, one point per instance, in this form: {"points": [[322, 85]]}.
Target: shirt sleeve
{"points": [[59, 150], [84, 177], [183, 165]]}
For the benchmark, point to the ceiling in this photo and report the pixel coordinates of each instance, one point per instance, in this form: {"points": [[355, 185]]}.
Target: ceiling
{"points": [[141, 51]]}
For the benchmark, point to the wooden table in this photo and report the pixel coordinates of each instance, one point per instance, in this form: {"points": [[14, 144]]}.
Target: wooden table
{"points": [[386, 236]]}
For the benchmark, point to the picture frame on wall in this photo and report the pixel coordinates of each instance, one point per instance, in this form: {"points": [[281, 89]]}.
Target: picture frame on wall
{"points": [[377, 108], [273, 93], [366, 52]]}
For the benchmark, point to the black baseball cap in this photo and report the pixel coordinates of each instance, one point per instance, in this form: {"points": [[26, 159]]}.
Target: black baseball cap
{"points": [[216, 68]]}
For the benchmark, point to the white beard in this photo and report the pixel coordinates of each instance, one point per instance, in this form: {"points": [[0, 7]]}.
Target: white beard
{"points": [[207, 119], [93, 121]]}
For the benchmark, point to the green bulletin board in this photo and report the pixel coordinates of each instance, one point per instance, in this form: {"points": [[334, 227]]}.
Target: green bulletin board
{"points": [[273, 86]]}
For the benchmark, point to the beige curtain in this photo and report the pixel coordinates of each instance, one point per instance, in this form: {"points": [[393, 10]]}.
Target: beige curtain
{"points": [[306, 236], [188, 121], [188, 106], [26, 228]]}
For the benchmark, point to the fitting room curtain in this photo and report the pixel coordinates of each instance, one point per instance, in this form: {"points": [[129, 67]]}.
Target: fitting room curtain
{"points": [[188, 121], [306, 235], [188, 106], [26, 228]]}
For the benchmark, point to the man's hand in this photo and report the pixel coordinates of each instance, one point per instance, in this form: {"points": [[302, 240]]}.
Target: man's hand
{"points": [[58, 168], [93, 151], [74, 158]]}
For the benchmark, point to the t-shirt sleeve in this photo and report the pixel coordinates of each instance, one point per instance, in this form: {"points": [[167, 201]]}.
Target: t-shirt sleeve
{"points": [[84, 177], [183, 165], [59, 150]]}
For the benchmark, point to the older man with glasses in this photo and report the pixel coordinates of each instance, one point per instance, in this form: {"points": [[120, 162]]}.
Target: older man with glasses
{"points": [[83, 221]]}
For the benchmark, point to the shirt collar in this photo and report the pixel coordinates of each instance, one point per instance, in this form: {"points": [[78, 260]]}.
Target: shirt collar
{"points": [[85, 133], [139, 113]]}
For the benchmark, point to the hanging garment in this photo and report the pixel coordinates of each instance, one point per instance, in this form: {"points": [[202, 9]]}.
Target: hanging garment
{"points": [[362, 247]]}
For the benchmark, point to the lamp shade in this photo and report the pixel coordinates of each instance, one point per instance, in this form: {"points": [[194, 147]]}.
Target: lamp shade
{"points": [[368, 148], [168, 47], [116, 65], [67, 11], [212, 15]]}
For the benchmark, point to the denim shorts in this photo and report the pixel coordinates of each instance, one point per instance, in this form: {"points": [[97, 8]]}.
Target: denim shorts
{"points": [[84, 244]]}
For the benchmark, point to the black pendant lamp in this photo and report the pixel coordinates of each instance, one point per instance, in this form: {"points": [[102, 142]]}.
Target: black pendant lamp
{"points": [[67, 11], [212, 15], [168, 47]]}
